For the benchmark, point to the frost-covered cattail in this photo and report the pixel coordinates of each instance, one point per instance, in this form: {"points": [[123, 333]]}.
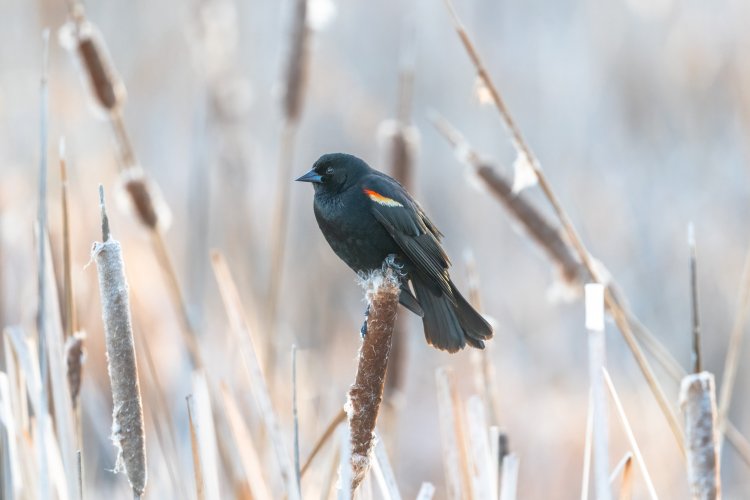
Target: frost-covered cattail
{"points": [[127, 416], [366, 394]]}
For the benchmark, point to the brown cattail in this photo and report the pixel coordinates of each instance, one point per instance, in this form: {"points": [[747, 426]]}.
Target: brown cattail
{"points": [[145, 198], [366, 394], [84, 38], [295, 71], [698, 403], [74, 354], [127, 417]]}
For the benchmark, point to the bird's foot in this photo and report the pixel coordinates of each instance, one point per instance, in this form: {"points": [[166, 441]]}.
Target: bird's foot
{"points": [[363, 330]]}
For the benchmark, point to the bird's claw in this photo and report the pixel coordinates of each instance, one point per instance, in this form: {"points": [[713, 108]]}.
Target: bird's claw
{"points": [[363, 330]]}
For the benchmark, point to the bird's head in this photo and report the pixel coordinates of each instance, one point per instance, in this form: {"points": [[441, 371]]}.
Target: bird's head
{"points": [[335, 172]]}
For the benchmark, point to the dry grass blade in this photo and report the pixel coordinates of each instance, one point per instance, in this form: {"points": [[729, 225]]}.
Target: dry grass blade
{"points": [[612, 304], [197, 468], [625, 469], [631, 437], [251, 461], [128, 434], [203, 421], [366, 394], [384, 472], [455, 461], [239, 326], [734, 349], [70, 321], [698, 402], [327, 434], [586, 474]]}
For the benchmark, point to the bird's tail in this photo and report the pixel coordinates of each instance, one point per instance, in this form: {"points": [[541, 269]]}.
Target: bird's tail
{"points": [[447, 325]]}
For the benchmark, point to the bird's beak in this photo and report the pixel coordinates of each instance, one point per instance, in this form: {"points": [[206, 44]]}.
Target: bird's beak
{"points": [[311, 176]]}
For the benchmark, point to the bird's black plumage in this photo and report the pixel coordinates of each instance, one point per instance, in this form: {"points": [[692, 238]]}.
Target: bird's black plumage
{"points": [[366, 216]]}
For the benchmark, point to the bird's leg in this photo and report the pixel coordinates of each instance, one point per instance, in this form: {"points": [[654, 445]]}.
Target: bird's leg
{"points": [[363, 330]]}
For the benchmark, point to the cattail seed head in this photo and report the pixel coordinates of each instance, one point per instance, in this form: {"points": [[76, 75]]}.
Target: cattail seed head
{"points": [[296, 66], [74, 355], [400, 146], [128, 433], [84, 39], [144, 198]]}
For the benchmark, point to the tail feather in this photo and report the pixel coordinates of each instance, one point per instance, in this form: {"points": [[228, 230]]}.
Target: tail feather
{"points": [[447, 325]]}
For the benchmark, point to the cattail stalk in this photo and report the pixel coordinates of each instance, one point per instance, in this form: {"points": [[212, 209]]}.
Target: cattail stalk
{"points": [[296, 69], [426, 491], [524, 151], [509, 485], [128, 433], [200, 489], [366, 394]]}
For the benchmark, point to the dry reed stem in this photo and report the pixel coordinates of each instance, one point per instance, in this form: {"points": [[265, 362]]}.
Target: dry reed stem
{"points": [[455, 461], [366, 394], [426, 491], [327, 434], [278, 240], [612, 304], [734, 349], [205, 428], [383, 472], [698, 403], [69, 319], [295, 422], [345, 468], [695, 313], [484, 372], [509, 484], [481, 460], [65, 420], [127, 426], [586, 473], [41, 323], [251, 462], [631, 437], [197, 467], [240, 327], [597, 362]]}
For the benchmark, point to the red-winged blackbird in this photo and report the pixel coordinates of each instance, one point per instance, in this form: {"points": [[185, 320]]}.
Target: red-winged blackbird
{"points": [[367, 216]]}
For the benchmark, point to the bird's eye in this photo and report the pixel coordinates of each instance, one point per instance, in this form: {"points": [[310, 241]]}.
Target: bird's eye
{"points": [[329, 171]]}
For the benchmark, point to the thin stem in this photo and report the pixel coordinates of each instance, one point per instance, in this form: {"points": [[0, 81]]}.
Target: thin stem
{"points": [[327, 434], [697, 368]]}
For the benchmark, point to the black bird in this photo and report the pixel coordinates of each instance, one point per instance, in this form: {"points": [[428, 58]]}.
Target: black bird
{"points": [[367, 216]]}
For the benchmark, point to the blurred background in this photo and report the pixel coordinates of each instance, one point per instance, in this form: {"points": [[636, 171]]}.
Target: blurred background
{"points": [[638, 110]]}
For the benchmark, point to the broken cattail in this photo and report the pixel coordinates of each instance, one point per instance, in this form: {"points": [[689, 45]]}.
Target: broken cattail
{"points": [[127, 418], [83, 37], [366, 394], [400, 146]]}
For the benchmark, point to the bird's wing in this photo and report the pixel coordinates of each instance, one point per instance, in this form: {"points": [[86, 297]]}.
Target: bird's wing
{"points": [[408, 225]]}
